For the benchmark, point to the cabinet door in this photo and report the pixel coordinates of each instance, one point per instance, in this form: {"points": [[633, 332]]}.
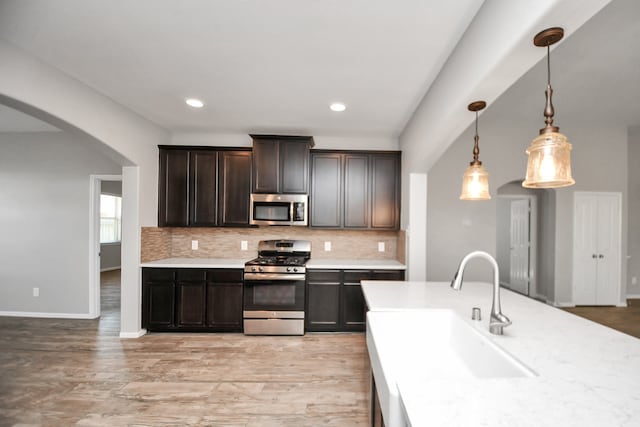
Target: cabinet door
{"points": [[294, 167], [326, 186], [224, 300], [158, 298], [191, 297], [353, 304], [203, 171], [235, 187], [266, 166], [356, 191], [173, 188], [323, 300], [224, 306], [385, 191]]}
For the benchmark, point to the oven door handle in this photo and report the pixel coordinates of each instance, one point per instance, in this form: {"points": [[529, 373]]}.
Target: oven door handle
{"points": [[273, 276]]}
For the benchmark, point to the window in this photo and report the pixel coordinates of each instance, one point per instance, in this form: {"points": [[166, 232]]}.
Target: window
{"points": [[110, 218]]}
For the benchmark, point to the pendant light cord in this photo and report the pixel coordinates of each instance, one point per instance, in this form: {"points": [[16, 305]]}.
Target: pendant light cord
{"points": [[548, 64], [476, 147]]}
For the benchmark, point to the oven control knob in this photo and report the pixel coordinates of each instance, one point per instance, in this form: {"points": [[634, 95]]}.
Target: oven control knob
{"points": [[253, 269], [295, 269], [260, 269]]}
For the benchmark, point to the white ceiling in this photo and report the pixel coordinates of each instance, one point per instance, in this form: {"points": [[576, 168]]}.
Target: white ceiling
{"points": [[595, 73], [260, 66], [274, 66]]}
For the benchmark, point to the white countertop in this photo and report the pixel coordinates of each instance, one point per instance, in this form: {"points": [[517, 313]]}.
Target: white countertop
{"points": [[588, 374], [196, 263], [356, 264]]}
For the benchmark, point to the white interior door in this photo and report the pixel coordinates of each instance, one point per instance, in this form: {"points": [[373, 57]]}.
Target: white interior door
{"points": [[519, 248], [608, 264], [596, 248]]}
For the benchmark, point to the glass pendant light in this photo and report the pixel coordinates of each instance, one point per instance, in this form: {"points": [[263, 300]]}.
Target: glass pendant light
{"points": [[549, 164], [475, 181]]}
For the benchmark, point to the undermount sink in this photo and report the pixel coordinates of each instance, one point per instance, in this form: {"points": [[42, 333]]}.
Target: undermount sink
{"points": [[428, 345]]}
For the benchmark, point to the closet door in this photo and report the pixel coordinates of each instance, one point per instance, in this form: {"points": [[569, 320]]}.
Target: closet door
{"points": [[608, 237], [596, 248]]}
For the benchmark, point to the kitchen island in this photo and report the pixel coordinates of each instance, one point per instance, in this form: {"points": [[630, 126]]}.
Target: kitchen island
{"points": [[584, 374]]}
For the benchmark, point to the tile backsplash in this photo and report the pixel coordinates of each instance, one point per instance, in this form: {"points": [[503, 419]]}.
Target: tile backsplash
{"points": [[159, 243]]}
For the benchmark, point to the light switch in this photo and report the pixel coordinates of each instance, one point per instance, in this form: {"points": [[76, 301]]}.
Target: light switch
{"points": [[634, 280], [36, 292], [380, 246], [194, 245], [327, 246], [244, 245]]}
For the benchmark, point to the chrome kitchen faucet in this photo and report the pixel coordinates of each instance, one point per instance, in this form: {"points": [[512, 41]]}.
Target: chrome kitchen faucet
{"points": [[498, 320]]}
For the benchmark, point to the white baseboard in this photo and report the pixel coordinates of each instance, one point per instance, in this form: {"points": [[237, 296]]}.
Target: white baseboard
{"points": [[621, 304], [633, 296], [561, 304], [128, 335], [102, 270], [47, 315]]}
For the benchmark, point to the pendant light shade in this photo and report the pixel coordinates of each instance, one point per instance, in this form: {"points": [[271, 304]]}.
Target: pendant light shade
{"points": [[475, 184], [549, 164], [475, 181]]}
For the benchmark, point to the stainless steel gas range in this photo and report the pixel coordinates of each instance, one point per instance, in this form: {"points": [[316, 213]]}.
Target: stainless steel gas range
{"points": [[274, 287]]}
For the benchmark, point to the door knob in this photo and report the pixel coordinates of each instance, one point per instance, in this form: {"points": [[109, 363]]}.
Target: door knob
{"points": [[594, 256], [600, 256]]}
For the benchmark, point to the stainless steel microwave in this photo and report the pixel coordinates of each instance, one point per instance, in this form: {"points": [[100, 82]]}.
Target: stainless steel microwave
{"points": [[279, 209]]}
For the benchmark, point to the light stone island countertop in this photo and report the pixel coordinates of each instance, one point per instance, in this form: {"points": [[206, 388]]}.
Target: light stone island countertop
{"points": [[196, 263], [356, 264], [588, 374]]}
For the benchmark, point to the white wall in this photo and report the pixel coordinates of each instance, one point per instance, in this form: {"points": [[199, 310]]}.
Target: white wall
{"points": [[44, 222], [634, 212]]}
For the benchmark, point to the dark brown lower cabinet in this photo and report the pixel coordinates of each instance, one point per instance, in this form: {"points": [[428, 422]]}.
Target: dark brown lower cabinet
{"points": [[376, 411], [224, 300], [199, 300], [158, 298], [335, 302]]}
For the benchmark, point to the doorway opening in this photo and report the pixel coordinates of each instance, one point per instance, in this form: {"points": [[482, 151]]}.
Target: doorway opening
{"points": [[105, 255]]}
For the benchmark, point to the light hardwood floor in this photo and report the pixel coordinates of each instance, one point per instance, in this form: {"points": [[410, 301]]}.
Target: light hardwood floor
{"points": [[79, 372]]}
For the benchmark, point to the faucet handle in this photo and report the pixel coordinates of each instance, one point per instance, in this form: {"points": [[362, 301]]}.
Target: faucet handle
{"points": [[476, 314]]}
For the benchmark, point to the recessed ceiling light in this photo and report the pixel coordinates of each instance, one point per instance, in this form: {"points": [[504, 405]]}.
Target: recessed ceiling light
{"points": [[195, 103], [338, 106]]}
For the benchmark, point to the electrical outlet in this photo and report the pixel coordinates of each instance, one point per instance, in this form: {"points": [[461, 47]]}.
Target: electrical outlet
{"points": [[244, 245], [380, 246], [194, 245], [327, 246], [36, 292]]}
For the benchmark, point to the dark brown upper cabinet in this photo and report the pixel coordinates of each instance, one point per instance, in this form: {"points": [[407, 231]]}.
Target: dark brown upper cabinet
{"points": [[204, 187], [234, 177], [281, 164], [355, 190], [173, 188]]}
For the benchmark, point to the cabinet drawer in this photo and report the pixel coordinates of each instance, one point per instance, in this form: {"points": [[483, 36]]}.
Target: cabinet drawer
{"points": [[158, 274], [225, 275], [191, 274], [387, 275], [324, 276], [357, 275]]}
